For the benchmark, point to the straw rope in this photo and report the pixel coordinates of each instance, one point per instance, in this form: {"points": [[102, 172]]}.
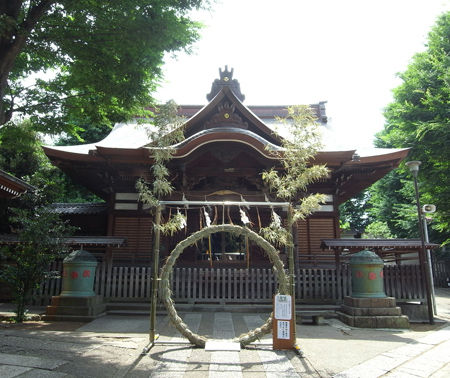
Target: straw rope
{"points": [[166, 292]]}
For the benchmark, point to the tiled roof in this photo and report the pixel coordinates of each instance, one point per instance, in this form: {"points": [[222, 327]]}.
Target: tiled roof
{"points": [[11, 186], [74, 240], [79, 208], [375, 244]]}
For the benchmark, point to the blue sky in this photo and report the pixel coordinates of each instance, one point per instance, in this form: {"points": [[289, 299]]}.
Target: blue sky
{"points": [[346, 52]]}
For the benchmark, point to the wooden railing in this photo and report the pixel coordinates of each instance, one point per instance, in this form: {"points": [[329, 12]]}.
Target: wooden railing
{"points": [[232, 285], [223, 285]]}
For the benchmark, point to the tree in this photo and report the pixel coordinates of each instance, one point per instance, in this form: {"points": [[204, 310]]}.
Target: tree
{"points": [[419, 118], [27, 263], [354, 212], [377, 230], [21, 155], [392, 202], [95, 62]]}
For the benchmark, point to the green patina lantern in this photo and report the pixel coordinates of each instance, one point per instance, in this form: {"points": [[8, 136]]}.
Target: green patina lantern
{"points": [[78, 274], [367, 275]]}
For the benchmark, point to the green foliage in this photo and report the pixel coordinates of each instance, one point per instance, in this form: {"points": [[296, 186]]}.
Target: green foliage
{"points": [[96, 62], [21, 155], [297, 173], [87, 133], [419, 118], [392, 201], [40, 234], [354, 212], [20, 149], [378, 230]]}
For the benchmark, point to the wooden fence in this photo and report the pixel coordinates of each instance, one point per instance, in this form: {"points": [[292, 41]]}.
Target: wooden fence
{"points": [[231, 285], [441, 270]]}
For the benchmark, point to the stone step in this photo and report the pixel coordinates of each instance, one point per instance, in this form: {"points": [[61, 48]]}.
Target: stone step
{"points": [[371, 311], [401, 321], [304, 310], [369, 302]]}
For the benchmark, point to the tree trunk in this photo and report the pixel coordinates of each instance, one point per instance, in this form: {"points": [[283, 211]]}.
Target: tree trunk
{"points": [[13, 40]]}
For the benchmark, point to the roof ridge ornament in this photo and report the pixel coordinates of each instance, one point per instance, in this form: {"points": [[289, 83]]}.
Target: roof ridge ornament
{"points": [[226, 80]]}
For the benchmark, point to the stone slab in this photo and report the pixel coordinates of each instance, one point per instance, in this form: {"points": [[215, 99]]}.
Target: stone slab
{"points": [[225, 364], [370, 302], [30, 361], [215, 345], [7, 371], [39, 373], [76, 301], [416, 312], [73, 318], [75, 308], [395, 322], [371, 311]]}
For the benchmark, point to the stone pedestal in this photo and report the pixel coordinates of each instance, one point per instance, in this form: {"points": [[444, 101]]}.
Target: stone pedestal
{"points": [[77, 300], [78, 309], [372, 313]]}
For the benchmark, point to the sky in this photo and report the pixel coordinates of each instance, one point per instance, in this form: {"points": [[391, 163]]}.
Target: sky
{"points": [[286, 52]]}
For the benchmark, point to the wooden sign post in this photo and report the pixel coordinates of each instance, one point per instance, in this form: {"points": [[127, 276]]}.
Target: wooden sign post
{"points": [[283, 323]]}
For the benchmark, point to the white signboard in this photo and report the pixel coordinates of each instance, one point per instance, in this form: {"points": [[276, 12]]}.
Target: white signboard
{"points": [[283, 307], [283, 329]]}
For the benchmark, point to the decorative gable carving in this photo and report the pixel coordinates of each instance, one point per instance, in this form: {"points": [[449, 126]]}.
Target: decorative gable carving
{"points": [[227, 117]]}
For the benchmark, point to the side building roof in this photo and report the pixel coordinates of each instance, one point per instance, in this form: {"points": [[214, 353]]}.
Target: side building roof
{"points": [[11, 186]]}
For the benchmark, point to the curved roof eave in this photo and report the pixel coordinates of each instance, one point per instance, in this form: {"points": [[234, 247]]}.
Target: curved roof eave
{"points": [[123, 135], [58, 153], [379, 155], [227, 92], [268, 150], [226, 134]]}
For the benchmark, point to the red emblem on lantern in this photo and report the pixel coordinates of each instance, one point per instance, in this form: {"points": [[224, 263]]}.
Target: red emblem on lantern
{"points": [[381, 274], [372, 276], [359, 274], [74, 275], [86, 273]]}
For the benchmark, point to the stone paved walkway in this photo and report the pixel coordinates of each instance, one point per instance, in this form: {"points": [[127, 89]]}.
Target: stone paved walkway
{"points": [[111, 346], [426, 357]]}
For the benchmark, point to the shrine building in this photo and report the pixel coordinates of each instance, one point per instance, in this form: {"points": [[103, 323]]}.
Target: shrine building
{"points": [[226, 148]]}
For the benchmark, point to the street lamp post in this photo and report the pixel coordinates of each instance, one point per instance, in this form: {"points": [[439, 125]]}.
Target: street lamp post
{"points": [[427, 240], [414, 169]]}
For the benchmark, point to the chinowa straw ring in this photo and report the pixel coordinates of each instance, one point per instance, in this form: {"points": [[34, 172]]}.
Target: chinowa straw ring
{"points": [[166, 292]]}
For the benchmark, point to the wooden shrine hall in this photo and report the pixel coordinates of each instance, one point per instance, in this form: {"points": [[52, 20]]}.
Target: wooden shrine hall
{"points": [[227, 146]]}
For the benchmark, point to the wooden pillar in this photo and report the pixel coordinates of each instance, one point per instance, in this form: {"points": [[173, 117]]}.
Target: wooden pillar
{"points": [[337, 257], [155, 273], [296, 247], [292, 270], [110, 230]]}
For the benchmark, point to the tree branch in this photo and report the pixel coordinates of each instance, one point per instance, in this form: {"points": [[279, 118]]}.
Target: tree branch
{"points": [[24, 108]]}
